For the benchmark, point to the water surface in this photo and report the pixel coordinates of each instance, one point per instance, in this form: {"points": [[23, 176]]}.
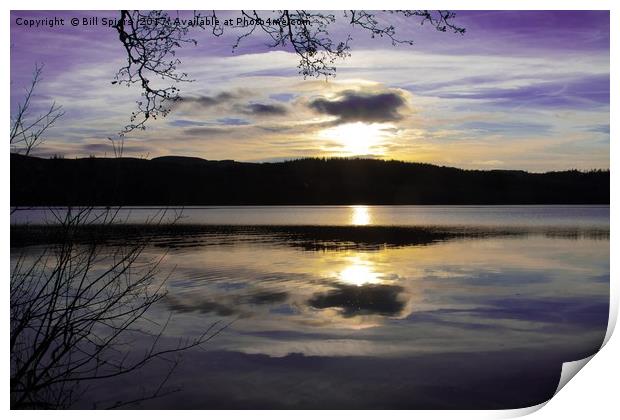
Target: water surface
{"points": [[567, 216], [371, 307]]}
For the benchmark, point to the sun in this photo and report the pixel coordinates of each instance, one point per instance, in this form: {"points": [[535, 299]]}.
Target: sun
{"points": [[357, 139]]}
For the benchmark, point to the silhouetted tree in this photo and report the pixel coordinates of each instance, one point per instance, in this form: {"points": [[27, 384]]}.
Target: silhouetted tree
{"points": [[27, 130], [74, 306]]}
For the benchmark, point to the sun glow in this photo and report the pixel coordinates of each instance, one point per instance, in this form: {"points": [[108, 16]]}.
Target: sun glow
{"points": [[360, 215], [358, 273], [358, 138]]}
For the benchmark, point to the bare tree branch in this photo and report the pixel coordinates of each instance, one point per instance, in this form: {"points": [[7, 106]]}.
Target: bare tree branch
{"points": [[74, 308], [26, 131], [151, 39]]}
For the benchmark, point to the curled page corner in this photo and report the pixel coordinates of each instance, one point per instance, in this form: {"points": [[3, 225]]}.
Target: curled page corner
{"points": [[570, 369], [521, 412]]}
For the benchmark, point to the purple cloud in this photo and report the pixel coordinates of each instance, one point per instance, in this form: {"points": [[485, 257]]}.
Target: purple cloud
{"points": [[574, 93]]}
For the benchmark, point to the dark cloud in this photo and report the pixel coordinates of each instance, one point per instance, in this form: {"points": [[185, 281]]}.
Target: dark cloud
{"points": [[267, 298], [355, 106], [236, 101], [370, 299], [202, 306], [225, 305], [277, 129], [205, 131], [263, 109], [206, 101]]}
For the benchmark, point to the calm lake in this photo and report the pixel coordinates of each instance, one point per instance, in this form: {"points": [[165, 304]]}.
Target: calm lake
{"points": [[363, 306]]}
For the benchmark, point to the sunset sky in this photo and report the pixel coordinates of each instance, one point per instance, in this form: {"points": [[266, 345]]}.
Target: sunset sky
{"points": [[520, 90]]}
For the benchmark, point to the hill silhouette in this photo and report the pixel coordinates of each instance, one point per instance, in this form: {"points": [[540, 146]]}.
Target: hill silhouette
{"points": [[175, 180]]}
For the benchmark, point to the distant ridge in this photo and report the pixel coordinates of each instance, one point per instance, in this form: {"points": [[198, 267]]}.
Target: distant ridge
{"points": [[179, 159], [178, 180]]}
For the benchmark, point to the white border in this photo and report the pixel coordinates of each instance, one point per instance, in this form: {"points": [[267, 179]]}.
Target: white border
{"points": [[592, 394]]}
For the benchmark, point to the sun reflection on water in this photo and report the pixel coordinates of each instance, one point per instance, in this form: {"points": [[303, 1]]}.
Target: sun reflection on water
{"points": [[359, 272], [360, 215]]}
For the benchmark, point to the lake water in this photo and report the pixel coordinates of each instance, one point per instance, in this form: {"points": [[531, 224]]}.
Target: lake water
{"points": [[549, 216], [367, 306]]}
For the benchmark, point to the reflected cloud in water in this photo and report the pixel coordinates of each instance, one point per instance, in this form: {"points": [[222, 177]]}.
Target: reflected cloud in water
{"points": [[371, 296], [449, 292], [368, 299]]}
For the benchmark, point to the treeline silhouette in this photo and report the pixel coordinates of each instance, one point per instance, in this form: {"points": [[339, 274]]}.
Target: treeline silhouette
{"points": [[187, 181]]}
